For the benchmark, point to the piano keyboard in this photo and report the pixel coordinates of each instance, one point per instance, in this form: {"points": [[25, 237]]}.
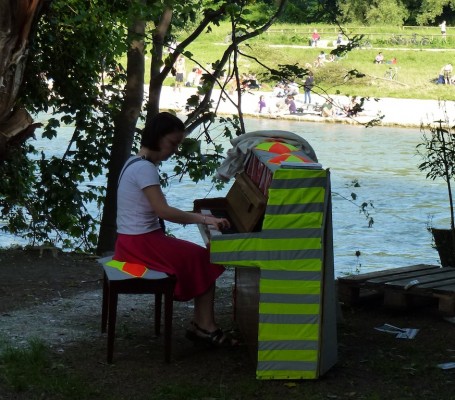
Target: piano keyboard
{"points": [[208, 231]]}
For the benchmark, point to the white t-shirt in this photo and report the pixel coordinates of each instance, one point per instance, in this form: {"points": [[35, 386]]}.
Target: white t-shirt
{"points": [[134, 212]]}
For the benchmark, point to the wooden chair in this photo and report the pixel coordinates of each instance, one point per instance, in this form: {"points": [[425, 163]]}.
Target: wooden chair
{"points": [[124, 278]]}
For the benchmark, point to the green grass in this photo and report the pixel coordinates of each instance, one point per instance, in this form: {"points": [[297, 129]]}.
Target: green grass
{"points": [[418, 65], [31, 370]]}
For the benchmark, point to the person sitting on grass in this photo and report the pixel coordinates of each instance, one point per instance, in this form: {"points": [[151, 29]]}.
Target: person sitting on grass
{"points": [[447, 72], [253, 82], [352, 108], [292, 107], [190, 78], [261, 104], [327, 108], [291, 89], [379, 59], [320, 60]]}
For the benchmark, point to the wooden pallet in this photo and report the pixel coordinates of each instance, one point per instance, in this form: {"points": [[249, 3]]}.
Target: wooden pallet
{"points": [[435, 285]]}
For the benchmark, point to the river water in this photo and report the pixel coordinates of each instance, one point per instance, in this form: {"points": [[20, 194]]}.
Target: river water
{"points": [[384, 163]]}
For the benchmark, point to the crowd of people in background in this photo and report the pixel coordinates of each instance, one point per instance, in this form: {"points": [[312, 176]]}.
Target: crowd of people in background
{"points": [[249, 81], [285, 97], [289, 97]]}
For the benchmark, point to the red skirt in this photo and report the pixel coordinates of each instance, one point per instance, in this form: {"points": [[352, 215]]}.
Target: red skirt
{"points": [[187, 261]]}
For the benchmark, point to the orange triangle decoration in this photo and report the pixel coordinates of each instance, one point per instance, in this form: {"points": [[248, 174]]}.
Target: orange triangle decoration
{"points": [[288, 157], [276, 147], [137, 270]]}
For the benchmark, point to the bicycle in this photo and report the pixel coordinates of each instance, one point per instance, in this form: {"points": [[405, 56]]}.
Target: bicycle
{"points": [[423, 41], [414, 40], [391, 73], [365, 44], [397, 39]]}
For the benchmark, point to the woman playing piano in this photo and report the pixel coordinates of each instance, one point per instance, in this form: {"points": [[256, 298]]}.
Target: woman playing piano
{"points": [[140, 205]]}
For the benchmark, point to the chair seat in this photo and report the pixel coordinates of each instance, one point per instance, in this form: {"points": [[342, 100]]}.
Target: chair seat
{"points": [[128, 278], [115, 274]]}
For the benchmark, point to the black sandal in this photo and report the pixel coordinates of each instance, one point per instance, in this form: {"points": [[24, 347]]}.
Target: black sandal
{"points": [[216, 338]]}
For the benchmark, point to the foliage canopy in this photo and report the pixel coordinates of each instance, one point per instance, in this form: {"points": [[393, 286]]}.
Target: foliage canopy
{"points": [[75, 77]]}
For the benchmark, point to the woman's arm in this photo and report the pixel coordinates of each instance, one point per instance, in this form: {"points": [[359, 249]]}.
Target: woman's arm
{"points": [[159, 204]]}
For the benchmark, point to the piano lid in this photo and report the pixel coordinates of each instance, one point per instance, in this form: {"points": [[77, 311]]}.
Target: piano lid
{"points": [[244, 206]]}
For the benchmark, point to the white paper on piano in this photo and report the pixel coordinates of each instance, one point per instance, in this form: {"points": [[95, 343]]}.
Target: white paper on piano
{"points": [[299, 164]]}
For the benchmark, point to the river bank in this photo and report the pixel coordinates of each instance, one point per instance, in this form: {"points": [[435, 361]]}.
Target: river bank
{"points": [[406, 113]]}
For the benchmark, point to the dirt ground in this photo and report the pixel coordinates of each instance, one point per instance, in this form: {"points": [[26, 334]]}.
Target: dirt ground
{"points": [[58, 300]]}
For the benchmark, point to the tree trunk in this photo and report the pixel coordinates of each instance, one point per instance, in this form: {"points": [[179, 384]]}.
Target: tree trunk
{"points": [[17, 18], [156, 75], [123, 135]]}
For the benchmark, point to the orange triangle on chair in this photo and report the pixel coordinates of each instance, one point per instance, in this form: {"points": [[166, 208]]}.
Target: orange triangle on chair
{"points": [[137, 270]]}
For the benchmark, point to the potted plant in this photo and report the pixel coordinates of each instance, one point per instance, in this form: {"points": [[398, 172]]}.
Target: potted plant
{"points": [[437, 150]]}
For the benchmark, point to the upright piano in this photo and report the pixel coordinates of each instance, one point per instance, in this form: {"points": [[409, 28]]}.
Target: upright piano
{"points": [[280, 244]]}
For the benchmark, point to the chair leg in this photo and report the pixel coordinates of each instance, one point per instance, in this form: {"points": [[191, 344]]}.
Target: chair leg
{"points": [[112, 317], [104, 309], [168, 311], [111, 290], [158, 302]]}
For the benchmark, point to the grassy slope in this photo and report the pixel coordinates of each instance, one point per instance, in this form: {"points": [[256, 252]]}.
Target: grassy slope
{"points": [[417, 65]]}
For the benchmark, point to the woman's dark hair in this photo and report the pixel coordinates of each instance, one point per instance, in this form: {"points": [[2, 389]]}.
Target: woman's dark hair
{"points": [[159, 126]]}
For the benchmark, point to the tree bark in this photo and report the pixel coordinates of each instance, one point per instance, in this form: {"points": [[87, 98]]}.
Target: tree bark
{"points": [[156, 75], [17, 17], [123, 135]]}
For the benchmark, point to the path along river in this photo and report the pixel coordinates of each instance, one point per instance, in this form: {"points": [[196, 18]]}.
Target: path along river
{"points": [[383, 161]]}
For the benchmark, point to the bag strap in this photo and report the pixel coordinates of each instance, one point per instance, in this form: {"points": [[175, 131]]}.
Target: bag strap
{"points": [[125, 167]]}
